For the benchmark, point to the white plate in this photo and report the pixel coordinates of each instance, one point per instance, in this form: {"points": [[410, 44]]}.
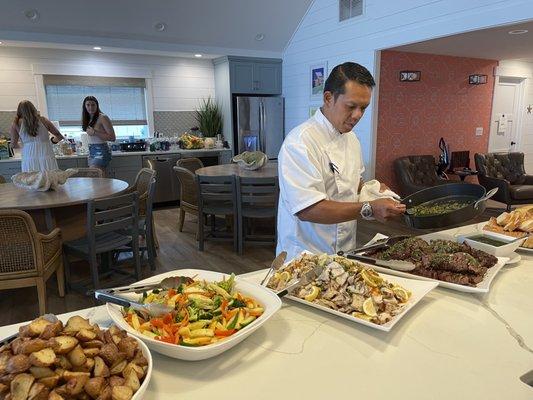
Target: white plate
{"points": [[514, 259], [269, 300], [481, 287], [418, 289]]}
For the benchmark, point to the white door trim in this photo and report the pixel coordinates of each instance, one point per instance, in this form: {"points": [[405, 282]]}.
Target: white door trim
{"points": [[517, 110]]}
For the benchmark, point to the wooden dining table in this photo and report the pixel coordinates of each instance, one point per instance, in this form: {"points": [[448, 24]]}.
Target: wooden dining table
{"points": [[65, 207]]}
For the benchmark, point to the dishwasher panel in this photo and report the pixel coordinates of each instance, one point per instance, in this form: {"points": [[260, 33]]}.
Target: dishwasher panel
{"points": [[167, 186]]}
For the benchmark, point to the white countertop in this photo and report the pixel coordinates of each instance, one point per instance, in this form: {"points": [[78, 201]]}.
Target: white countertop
{"points": [[129, 153], [450, 346]]}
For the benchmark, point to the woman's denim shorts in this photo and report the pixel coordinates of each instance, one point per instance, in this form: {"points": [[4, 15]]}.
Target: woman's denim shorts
{"points": [[99, 155]]}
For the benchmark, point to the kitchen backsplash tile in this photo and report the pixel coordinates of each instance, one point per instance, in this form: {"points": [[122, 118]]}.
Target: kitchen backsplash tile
{"points": [[6, 119], [174, 122]]}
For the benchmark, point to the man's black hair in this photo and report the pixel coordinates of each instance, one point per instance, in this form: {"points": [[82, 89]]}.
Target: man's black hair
{"points": [[349, 71]]}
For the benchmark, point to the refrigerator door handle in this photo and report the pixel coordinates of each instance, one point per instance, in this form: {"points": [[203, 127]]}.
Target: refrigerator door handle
{"points": [[263, 124], [261, 127]]}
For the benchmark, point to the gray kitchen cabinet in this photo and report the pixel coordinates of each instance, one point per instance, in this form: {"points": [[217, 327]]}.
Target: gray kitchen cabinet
{"points": [[253, 75], [242, 77], [66, 163], [124, 168]]}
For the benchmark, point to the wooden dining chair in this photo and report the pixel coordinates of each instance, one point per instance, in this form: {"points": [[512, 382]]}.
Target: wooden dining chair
{"points": [[216, 196], [188, 195], [111, 223], [191, 163], [29, 258], [88, 173], [257, 197]]}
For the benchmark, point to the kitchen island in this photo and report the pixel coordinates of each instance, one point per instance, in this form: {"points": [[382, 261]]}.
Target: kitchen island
{"points": [[452, 345], [125, 165]]}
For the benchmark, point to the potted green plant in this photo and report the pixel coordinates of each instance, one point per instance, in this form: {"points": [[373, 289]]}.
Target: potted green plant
{"points": [[209, 117]]}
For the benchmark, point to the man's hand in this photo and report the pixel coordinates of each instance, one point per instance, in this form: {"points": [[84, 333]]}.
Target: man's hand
{"points": [[385, 209]]}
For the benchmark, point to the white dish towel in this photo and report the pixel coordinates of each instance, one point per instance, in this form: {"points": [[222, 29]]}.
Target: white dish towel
{"points": [[370, 191]]}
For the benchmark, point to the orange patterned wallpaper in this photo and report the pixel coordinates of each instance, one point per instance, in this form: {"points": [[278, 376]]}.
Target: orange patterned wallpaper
{"points": [[413, 116]]}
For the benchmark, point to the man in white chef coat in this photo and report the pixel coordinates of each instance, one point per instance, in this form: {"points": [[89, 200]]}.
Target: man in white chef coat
{"points": [[320, 165]]}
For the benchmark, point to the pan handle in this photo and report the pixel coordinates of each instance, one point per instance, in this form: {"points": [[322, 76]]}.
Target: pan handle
{"points": [[487, 196]]}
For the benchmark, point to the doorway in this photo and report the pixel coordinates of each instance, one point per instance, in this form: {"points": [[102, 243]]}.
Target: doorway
{"points": [[506, 133]]}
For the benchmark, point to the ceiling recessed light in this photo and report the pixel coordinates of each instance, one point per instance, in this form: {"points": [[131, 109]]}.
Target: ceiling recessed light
{"points": [[160, 26], [97, 48], [518, 31], [198, 55], [32, 15], [259, 37]]}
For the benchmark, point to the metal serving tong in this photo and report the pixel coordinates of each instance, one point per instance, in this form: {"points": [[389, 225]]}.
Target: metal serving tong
{"points": [[305, 279], [398, 265], [276, 264], [153, 309]]}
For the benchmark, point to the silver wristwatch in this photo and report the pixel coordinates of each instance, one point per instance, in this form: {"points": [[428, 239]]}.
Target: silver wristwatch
{"points": [[366, 211]]}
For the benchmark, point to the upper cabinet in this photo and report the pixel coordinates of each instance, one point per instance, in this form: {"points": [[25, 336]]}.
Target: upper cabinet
{"points": [[253, 75]]}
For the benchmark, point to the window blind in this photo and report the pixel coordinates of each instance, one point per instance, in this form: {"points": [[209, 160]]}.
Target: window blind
{"points": [[122, 99]]}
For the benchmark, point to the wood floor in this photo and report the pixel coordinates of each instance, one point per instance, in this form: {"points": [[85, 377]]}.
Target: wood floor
{"points": [[178, 250]]}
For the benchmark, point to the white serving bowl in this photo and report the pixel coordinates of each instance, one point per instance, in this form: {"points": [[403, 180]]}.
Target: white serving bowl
{"points": [[268, 300], [138, 395], [505, 250]]}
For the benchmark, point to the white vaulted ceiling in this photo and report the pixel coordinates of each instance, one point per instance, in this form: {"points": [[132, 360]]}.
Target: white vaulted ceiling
{"points": [[208, 26]]}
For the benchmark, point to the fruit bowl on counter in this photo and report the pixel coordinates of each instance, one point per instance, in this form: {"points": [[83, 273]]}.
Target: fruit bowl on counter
{"points": [[190, 142]]}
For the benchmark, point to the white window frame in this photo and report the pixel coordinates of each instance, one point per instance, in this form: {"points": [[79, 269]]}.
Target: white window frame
{"points": [[98, 71]]}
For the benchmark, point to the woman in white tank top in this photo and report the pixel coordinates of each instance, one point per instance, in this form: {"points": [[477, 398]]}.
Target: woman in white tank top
{"points": [[100, 131], [32, 130]]}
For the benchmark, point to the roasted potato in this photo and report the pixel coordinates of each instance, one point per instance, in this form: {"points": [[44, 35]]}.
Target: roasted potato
{"points": [[109, 353], [18, 363], [43, 358], [100, 368], [50, 381], [121, 393], [32, 345], [86, 335], [95, 386], [78, 361], [20, 386], [51, 330], [116, 380], [77, 356], [63, 344], [41, 372], [38, 391], [75, 324]]}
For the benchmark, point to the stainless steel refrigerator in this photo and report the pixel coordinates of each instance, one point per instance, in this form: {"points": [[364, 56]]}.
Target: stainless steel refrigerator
{"points": [[259, 125]]}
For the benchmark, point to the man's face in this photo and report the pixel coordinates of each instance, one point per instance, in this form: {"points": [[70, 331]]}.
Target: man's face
{"points": [[346, 111]]}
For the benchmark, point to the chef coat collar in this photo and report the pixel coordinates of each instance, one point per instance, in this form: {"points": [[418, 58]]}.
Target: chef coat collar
{"points": [[322, 120]]}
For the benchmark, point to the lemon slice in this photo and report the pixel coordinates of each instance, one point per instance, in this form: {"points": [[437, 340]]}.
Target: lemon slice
{"points": [[370, 280], [361, 315], [369, 308], [313, 295], [284, 276], [402, 294]]}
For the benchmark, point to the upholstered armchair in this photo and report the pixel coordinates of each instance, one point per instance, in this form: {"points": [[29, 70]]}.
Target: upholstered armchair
{"points": [[415, 173], [506, 172]]}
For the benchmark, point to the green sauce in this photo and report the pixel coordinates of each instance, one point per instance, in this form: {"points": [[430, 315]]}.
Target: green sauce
{"points": [[488, 240]]}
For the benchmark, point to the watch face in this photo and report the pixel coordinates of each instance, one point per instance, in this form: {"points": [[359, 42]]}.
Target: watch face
{"points": [[366, 211]]}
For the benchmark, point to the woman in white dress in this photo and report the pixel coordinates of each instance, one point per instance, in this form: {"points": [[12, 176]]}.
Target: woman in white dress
{"points": [[33, 131]]}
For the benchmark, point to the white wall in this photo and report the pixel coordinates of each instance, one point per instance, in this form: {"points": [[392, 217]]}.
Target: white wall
{"points": [[178, 83], [386, 23]]}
